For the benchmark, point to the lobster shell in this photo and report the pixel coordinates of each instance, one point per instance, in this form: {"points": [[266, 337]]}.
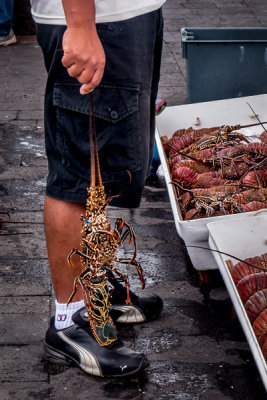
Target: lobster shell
{"points": [[192, 214], [189, 177], [185, 199], [183, 138], [256, 178], [184, 175], [209, 179], [258, 148], [180, 143], [260, 324], [251, 195], [263, 344], [253, 206], [263, 137], [256, 304], [196, 166], [251, 284], [241, 269]]}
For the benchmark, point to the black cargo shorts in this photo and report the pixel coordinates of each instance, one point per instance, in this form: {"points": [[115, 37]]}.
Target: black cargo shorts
{"points": [[124, 109]]}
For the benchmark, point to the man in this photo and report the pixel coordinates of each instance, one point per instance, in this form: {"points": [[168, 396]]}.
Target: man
{"points": [[114, 50]]}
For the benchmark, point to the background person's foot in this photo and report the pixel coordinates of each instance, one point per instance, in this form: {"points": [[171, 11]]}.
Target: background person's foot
{"points": [[8, 40], [143, 308]]}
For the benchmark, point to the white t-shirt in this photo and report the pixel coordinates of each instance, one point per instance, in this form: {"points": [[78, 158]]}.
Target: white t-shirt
{"points": [[51, 11]]}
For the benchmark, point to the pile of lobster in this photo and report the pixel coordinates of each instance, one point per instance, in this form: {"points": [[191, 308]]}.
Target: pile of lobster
{"points": [[217, 170], [251, 283]]}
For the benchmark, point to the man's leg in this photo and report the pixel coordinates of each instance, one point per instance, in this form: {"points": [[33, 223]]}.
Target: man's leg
{"points": [[67, 181], [63, 233], [75, 343]]}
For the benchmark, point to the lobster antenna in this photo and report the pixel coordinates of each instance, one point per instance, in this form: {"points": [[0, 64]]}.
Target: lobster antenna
{"points": [[231, 255], [96, 179], [182, 154], [256, 116]]}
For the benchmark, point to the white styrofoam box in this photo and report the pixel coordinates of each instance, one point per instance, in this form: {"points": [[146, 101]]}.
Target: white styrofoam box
{"points": [[243, 238], [214, 113]]}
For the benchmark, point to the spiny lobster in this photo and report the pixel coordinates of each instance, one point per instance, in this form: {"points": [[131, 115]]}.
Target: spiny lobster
{"points": [[191, 140], [250, 279], [212, 170], [98, 250]]}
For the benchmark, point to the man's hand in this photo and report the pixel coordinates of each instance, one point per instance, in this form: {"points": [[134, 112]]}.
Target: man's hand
{"points": [[84, 56]]}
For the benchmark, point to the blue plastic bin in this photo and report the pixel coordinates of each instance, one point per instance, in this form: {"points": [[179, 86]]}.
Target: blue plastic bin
{"points": [[222, 63]]}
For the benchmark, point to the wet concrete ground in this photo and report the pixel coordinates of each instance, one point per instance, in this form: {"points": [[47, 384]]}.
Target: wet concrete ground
{"points": [[197, 349]]}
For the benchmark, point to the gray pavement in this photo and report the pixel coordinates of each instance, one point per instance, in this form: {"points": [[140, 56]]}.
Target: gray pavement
{"points": [[197, 350]]}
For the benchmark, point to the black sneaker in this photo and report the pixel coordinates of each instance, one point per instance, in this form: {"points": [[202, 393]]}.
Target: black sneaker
{"points": [[77, 345], [143, 308]]}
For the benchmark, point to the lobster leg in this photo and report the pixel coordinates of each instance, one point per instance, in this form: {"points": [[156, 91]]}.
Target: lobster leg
{"points": [[75, 251], [126, 280], [137, 266], [119, 225], [75, 284]]}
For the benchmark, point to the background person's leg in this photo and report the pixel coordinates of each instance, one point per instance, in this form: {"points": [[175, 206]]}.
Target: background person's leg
{"points": [[7, 36], [6, 16]]}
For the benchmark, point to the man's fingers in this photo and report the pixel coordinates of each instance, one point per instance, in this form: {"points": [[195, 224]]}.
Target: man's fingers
{"points": [[94, 82], [84, 57], [75, 71], [67, 61], [85, 76]]}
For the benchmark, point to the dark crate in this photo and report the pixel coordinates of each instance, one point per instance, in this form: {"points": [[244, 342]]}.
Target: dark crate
{"points": [[223, 63]]}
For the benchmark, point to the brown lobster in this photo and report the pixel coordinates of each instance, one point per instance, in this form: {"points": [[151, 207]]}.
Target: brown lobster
{"points": [[98, 251]]}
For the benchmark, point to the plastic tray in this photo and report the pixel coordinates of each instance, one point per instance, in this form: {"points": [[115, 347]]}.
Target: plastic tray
{"points": [[243, 238], [207, 114], [224, 62]]}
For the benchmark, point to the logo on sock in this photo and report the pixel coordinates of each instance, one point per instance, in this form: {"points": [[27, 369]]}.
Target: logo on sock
{"points": [[61, 317]]}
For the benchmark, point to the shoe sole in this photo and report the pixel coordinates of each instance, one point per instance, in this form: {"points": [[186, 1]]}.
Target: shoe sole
{"points": [[60, 358]]}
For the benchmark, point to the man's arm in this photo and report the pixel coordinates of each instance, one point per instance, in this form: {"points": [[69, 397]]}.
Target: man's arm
{"points": [[84, 56]]}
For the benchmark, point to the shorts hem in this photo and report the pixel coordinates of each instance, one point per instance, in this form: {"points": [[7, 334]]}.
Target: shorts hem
{"points": [[119, 202], [66, 196]]}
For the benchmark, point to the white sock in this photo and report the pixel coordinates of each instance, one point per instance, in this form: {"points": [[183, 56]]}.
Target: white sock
{"points": [[64, 313]]}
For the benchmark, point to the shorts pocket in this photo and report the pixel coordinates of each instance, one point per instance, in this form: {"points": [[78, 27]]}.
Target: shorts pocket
{"points": [[117, 127]]}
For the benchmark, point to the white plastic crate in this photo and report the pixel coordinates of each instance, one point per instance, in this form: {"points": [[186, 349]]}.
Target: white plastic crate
{"points": [[242, 238], [207, 114]]}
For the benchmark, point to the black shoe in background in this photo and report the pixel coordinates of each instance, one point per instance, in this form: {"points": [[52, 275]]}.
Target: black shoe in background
{"points": [[143, 308]]}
